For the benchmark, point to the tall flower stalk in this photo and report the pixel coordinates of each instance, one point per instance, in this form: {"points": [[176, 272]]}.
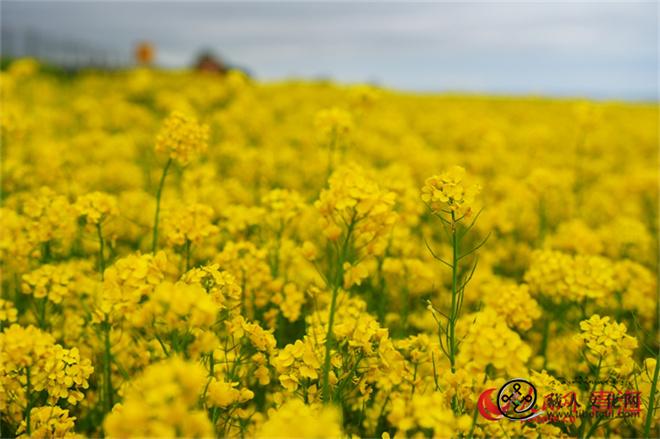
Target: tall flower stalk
{"points": [[452, 202], [106, 326], [96, 208], [181, 138], [107, 367], [337, 279], [356, 216], [159, 193]]}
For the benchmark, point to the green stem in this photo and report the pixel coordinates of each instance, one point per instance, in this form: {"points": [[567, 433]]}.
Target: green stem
{"points": [[543, 221], [381, 299], [331, 150], [435, 373], [275, 251], [154, 243], [651, 408], [474, 422], [101, 250], [46, 252], [28, 408], [17, 291], [188, 243], [544, 341], [214, 417], [380, 428], [341, 257], [405, 311], [41, 306], [328, 345], [162, 345], [596, 375], [412, 392], [474, 413], [454, 292], [593, 428], [107, 358]]}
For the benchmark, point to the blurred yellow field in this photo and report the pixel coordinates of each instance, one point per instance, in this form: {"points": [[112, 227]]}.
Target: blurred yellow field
{"points": [[201, 255]]}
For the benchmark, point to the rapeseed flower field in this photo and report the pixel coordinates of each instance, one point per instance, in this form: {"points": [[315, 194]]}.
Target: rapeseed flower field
{"points": [[194, 255]]}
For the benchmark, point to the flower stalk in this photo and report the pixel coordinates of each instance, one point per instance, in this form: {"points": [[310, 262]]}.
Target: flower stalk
{"points": [[651, 408], [339, 275], [28, 407], [99, 232], [451, 201], [107, 371], [454, 293], [159, 193]]}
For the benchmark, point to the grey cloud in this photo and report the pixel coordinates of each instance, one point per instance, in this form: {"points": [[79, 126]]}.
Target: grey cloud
{"points": [[598, 49]]}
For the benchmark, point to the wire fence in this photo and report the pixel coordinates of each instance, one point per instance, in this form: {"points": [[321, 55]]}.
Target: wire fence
{"points": [[61, 52]]}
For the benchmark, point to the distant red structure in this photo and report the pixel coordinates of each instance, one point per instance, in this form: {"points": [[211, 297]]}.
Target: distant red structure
{"points": [[207, 62], [145, 53]]}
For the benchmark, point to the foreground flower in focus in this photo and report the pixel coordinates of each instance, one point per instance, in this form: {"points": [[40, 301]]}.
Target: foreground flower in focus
{"points": [[448, 193]]}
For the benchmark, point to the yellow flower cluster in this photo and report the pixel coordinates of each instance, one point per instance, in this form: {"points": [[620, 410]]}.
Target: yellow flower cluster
{"points": [[48, 422], [178, 306], [96, 207], [296, 362], [260, 338], [627, 238], [247, 263], [223, 394], [621, 238], [221, 285], [8, 312], [561, 276], [297, 419], [513, 303], [30, 354], [162, 402], [489, 341], [354, 274], [608, 343], [290, 300], [50, 281], [637, 288], [182, 138], [16, 246], [129, 280], [333, 124], [191, 224], [355, 206], [417, 416], [362, 341], [447, 193], [50, 216], [282, 206]]}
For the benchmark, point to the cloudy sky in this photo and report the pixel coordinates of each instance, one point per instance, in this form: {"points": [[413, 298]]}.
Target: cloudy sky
{"points": [[597, 49]]}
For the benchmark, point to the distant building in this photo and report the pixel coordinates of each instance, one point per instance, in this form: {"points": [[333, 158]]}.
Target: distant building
{"points": [[208, 62]]}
